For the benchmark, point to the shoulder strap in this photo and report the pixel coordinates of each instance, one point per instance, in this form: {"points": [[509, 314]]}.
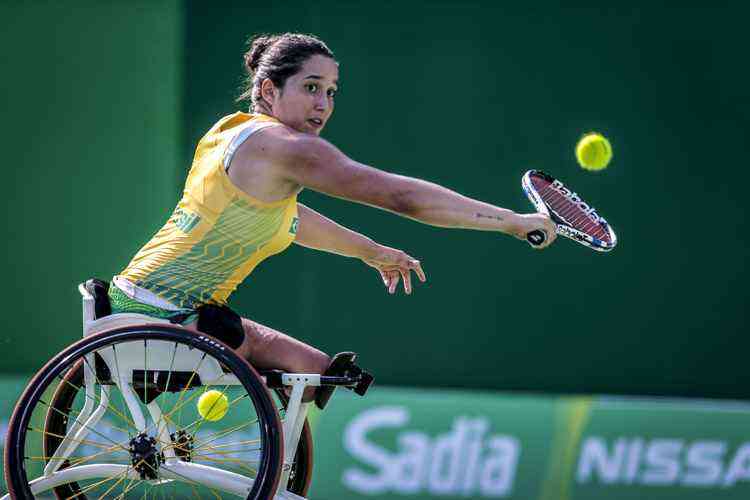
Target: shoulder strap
{"points": [[241, 137]]}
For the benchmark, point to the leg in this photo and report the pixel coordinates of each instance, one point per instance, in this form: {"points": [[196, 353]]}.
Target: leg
{"points": [[267, 348]]}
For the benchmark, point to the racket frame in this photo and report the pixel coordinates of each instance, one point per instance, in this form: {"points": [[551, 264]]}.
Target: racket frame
{"points": [[562, 227]]}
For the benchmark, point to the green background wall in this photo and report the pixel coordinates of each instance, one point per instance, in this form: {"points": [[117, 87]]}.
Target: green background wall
{"points": [[90, 143], [103, 105], [471, 95]]}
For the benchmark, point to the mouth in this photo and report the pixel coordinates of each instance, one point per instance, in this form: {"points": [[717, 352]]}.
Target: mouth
{"points": [[315, 122]]}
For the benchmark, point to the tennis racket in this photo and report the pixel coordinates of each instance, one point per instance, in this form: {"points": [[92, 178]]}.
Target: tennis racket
{"points": [[574, 218]]}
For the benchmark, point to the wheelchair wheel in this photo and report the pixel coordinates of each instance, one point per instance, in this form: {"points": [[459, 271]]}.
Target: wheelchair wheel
{"points": [[114, 416], [59, 418]]}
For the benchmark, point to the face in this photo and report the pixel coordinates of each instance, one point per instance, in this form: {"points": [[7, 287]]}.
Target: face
{"points": [[306, 101]]}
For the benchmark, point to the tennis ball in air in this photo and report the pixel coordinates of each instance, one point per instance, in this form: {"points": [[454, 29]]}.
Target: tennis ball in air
{"points": [[593, 152], [213, 405]]}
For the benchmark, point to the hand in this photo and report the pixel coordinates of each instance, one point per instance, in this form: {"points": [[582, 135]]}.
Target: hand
{"points": [[527, 223], [393, 264]]}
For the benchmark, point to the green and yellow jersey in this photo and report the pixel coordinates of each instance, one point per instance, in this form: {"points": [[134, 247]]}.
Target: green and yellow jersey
{"points": [[218, 233]]}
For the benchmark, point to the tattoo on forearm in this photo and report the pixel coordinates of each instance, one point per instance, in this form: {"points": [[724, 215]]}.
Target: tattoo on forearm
{"points": [[483, 216]]}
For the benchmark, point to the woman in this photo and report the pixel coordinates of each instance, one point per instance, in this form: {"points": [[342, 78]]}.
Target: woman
{"points": [[240, 206]]}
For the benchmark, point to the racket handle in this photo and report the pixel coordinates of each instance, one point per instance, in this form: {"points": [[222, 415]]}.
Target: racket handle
{"points": [[536, 238]]}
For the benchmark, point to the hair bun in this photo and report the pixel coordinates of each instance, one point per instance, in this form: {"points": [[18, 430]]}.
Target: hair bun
{"points": [[258, 47]]}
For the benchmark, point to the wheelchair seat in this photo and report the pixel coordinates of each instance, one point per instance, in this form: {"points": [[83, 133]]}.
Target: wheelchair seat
{"points": [[97, 310]]}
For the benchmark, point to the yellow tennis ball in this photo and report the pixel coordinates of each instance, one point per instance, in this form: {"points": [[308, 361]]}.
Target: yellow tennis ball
{"points": [[593, 151], [213, 405]]}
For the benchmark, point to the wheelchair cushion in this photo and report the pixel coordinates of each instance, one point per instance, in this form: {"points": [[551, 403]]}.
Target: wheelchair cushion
{"points": [[99, 290]]}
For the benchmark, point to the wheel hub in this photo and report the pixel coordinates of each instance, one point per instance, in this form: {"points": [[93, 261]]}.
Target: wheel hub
{"points": [[144, 456], [183, 445]]}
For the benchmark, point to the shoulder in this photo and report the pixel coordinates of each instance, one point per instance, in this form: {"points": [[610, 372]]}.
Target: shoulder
{"points": [[281, 154], [285, 145]]}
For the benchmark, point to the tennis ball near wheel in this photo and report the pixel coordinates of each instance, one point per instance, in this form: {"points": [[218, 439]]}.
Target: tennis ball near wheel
{"points": [[593, 152], [213, 405]]}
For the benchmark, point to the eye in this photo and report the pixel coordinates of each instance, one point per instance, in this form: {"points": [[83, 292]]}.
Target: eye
{"points": [[312, 87], [332, 92]]}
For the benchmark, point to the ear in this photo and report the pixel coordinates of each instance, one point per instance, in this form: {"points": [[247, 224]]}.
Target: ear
{"points": [[268, 91]]}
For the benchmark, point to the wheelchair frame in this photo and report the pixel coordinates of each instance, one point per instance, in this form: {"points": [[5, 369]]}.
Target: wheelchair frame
{"points": [[122, 365]]}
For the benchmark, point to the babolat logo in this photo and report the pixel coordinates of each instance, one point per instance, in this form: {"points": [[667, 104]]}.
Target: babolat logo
{"points": [[293, 227], [590, 211], [185, 220], [663, 462], [464, 460]]}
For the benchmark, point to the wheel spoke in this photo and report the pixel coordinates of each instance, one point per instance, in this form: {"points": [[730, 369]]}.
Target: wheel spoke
{"points": [[56, 410], [239, 462], [201, 419], [209, 452], [95, 432], [127, 488], [117, 369], [188, 480], [98, 400], [227, 445], [77, 459], [220, 435], [189, 382], [80, 441], [96, 485], [145, 370], [182, 393], [166, 387], [114, 485]]}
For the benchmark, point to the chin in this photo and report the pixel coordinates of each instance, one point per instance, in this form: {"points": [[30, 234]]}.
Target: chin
{"points": [[312, 130]]}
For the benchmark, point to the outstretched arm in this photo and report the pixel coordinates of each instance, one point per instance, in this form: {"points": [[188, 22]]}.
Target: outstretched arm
{"points": [[321, 233], [315, 163]]}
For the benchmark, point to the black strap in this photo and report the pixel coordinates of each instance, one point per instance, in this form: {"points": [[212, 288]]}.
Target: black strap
{"points": [[99, 289], [222, 323]]}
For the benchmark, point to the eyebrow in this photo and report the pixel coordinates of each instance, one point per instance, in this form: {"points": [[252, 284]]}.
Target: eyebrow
{"points": [[318, 77]]}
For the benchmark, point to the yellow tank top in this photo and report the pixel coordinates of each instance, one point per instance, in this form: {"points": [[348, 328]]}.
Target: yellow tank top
{"points": [[217, 234]]}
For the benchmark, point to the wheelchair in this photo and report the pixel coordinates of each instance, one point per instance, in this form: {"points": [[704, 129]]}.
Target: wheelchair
{"points": [[114, 416]]}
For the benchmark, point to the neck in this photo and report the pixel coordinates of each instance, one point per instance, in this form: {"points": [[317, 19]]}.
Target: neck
{"points": [[263, 107]]}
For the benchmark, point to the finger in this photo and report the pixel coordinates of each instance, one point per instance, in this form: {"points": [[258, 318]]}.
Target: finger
{"points": [[406, 275], [417, 267], [394, 283], [553, 234], [551, 231], [385, 278]]}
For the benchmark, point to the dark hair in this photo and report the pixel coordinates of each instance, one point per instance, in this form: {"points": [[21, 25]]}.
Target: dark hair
{"points": [[277, 57]]}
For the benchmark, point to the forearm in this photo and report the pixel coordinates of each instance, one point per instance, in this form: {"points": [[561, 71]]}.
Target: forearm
{"points": [[321, 233], [436, 205], [317, 164]]}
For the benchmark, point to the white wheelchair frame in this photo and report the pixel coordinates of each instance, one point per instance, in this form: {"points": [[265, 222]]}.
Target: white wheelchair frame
{"points": [[131, 356]]}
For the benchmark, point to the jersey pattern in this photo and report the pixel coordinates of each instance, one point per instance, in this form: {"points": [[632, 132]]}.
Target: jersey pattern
{"points": [[217, 234]]}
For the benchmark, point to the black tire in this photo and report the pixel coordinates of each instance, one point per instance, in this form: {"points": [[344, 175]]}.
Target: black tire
{"points": [[269, 468], [56, 424]]}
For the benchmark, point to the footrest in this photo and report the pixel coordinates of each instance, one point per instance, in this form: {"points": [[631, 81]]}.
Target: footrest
{"points": [[342, 365], [342, 371], [338, 368], [363, 385]]}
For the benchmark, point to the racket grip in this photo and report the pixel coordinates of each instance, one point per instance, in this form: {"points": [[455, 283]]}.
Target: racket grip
{"points": [[536, 238]]}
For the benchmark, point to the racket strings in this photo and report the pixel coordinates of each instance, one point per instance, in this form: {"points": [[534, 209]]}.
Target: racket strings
{"points": [[570, 212]]}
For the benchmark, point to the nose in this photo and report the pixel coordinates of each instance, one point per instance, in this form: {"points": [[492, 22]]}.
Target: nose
{"points": [[321, 103]]}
